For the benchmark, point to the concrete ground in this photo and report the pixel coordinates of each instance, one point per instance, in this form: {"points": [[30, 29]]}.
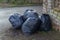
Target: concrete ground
{"points": [[8, 33]]}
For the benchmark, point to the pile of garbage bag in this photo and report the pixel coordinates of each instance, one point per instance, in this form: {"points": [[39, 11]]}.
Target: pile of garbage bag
{"points": [[30, 22]]}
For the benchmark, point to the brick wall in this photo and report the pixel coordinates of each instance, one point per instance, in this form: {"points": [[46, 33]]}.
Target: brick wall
{"points": [[55, 16]]}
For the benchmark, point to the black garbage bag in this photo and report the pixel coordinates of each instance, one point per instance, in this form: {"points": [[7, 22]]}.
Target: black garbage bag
{"points": [[46, 24], [16, 20], [30, 13], [30, 26]]}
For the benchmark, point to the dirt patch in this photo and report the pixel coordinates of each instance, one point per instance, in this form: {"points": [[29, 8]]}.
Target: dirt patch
{"points": [[12, 34]]}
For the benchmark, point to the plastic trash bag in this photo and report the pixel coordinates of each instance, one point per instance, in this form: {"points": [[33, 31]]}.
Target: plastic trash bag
{"points": [[30, 13], [16, 20], [30, 26], [46, 24]]}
